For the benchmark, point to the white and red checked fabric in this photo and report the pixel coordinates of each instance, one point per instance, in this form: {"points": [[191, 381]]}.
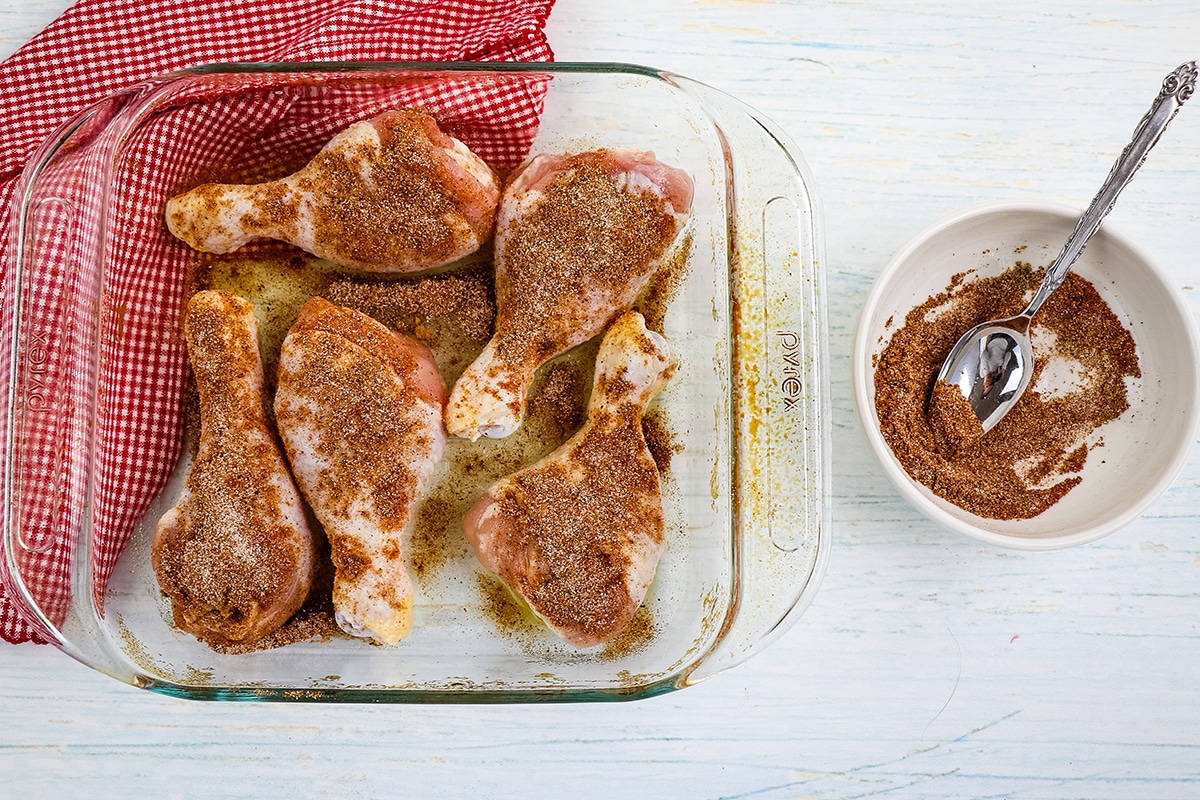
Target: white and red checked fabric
{"points": [[101, 47]]}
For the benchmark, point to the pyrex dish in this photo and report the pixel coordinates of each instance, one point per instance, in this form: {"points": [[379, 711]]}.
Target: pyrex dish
{"points": [[747, 492], [1140, 453]]}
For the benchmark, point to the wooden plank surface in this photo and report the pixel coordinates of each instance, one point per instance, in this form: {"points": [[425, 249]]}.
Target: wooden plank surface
{"points": [[928, 666]]}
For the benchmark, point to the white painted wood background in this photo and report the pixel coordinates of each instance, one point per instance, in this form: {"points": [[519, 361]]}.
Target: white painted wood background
{"points": [[928, 666]]}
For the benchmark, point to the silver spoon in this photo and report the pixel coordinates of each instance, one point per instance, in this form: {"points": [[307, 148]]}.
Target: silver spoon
{"points": [[991, 365]]}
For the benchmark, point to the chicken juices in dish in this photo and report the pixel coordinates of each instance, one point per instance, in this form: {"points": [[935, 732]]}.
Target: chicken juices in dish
{"points": [[359, 409], [235, 554], [391, 194], [578, 535], [577, 239]]}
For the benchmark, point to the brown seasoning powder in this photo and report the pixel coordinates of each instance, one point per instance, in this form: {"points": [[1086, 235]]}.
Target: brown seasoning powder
{"points": [[590, 232], [577, 519], [352, 395], [396, 213], [226, 566], [1033, 456], [952, 418], [313, 622], [407, 305]]}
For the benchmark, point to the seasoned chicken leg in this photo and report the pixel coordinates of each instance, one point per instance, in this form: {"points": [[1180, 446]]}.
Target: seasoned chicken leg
{"points": [[392, 194], [577, 239], [235, 555], [359, 409], [579, 534]]}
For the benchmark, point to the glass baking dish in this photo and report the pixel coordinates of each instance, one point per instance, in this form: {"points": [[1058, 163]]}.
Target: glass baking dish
{"points": [[747, 491]]}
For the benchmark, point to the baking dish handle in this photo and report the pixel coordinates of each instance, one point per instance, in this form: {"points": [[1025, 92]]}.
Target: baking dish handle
{"points": [[780, 413], [49, 324]]}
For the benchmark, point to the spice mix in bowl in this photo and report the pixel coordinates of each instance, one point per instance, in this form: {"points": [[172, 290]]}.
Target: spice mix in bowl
{"points": [[1110, 415]]}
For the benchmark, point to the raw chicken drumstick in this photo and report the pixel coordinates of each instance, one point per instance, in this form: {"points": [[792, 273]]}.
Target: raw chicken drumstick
{"points": [[578, 535], [392, 194], [359, 409], [235, 555], [577, 239]]}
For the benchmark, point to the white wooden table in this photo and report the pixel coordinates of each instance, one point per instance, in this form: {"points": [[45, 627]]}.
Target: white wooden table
{"points": [[928, 666]]}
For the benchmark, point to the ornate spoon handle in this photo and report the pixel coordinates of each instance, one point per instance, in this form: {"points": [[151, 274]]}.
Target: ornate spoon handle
{"points": [[1176, 89]]}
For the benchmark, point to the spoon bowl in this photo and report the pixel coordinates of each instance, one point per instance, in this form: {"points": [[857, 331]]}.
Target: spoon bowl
{"points": [[991, 366]]}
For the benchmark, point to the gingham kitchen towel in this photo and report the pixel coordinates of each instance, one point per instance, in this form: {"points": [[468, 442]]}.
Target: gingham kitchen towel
{"points": [[102, 47]]}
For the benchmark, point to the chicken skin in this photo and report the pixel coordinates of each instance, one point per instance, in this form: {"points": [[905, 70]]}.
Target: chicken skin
{"points": [[578, 535], [359, 409], [235, 556], [577, 239], [391, 194]]}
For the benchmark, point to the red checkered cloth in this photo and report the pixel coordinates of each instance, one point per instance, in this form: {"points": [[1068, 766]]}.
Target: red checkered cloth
{"points": [[102, 47]]}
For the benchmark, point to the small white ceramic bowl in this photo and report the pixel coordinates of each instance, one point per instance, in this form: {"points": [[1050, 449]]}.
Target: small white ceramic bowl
{"points": [[1144, 449]]}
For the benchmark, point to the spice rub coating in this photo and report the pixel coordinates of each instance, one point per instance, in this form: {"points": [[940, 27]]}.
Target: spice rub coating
{"points": [[235, 555], [577, 239], [359, 408], [578, 535], [390, 194]]}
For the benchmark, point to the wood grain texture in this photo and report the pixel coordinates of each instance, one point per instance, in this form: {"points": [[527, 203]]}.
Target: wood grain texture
{"points": [[928, 666]]}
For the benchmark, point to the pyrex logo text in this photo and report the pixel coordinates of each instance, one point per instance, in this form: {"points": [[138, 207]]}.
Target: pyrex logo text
{"points": [[37, 398], [792, 386]]}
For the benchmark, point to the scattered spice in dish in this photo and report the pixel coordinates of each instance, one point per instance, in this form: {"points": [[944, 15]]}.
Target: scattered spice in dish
{"points": [[463, 298], [1033, 457]]}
